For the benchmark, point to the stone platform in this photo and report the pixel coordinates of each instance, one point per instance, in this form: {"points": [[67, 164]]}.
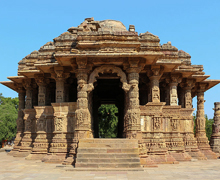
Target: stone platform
{"points": [[18, 168]]}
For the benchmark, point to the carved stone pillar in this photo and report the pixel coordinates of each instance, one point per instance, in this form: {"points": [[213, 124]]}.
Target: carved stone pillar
{"points": [[132, 117], [202, 140], [19, 121], [29, 118], [200, 114], [83, 117], [27, 86], [188, 94], [42, 86], [40, 145], [60, 76], [154, 75], [175, 79], [185, 97], [215, 138], [27, 140]]}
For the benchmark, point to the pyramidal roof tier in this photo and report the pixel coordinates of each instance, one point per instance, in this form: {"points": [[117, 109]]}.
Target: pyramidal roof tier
{"points": [[109, 41]]}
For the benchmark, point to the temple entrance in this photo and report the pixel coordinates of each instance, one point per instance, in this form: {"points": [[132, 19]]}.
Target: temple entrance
{"points": [[108, 96]]}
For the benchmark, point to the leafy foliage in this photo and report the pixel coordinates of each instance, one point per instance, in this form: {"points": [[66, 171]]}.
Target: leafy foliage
{"points": [[108, 121], [208, 127], [8, 116]]}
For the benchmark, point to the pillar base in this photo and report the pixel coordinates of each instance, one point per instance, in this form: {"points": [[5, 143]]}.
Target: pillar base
{"points": [[181, 156], [163, 158], [197, 154], [54, 158]]}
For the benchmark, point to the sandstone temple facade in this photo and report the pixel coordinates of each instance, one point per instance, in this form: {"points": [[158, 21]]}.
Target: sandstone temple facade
{"points": [[62, 85]]}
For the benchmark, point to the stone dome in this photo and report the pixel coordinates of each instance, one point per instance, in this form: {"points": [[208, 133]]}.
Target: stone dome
{"points": [[112, 25]]}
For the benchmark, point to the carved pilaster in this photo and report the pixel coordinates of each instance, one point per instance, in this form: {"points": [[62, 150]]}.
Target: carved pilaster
{"points": [[185, 94], [175, 80], [188, 94], [154, 75], [28, 87], [60, 76], [41, 82]]}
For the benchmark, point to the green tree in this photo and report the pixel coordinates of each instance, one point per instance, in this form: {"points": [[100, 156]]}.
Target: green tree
{"points": [[108, 121], [208, 126], [8, 116]]}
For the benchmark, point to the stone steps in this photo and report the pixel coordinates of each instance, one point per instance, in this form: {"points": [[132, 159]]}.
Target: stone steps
{"points": [[107, 154]]}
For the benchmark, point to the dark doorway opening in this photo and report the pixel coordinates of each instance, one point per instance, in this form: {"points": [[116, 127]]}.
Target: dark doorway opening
{"points": [[109, 93]]}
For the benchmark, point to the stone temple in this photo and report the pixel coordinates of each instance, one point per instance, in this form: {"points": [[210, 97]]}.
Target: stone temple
{"points": [[62, 85]]}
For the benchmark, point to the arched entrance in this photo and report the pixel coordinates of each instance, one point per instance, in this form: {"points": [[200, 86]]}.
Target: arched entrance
{"points": [[109, 84]]}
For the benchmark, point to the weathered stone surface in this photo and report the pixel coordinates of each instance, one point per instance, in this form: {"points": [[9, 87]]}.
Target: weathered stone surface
{"points": [[62, 85]]}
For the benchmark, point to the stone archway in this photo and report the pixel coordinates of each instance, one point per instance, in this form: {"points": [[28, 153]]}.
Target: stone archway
{"points": [[109, 68], [108, 91]]}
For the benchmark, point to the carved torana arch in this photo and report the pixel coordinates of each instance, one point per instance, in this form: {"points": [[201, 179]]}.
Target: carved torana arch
{"points": [[109, 68]]}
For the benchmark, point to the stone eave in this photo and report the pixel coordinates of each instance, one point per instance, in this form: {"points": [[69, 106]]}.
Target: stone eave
{"points": [[200, 78], [151, 56], [30, 73], [9, 84], [186, 72], [16, 79], [46, 67], [169, 66], [211, 82], [141, 54]]}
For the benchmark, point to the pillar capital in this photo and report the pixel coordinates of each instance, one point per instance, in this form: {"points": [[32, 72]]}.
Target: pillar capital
{"points": [[155, 72], [202, 87], [27, 84], [58, 73]]}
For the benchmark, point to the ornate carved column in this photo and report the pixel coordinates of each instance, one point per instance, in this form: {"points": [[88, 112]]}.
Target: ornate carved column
{"points": [[132, 116], [154, 75], [202, 140], [175, 79], [83, 117], [27, 86], [215, 138], [60, 76], [200, 114], [42, 86], [40, 145], [20, 120], [188, 96], [29, 120], [62, 138]]}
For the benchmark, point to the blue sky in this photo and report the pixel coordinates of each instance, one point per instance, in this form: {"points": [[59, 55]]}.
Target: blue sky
{"points": [[191, 25]]}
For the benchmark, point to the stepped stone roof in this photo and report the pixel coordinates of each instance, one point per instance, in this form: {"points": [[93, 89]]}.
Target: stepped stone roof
{"points": [[111, 40]]}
